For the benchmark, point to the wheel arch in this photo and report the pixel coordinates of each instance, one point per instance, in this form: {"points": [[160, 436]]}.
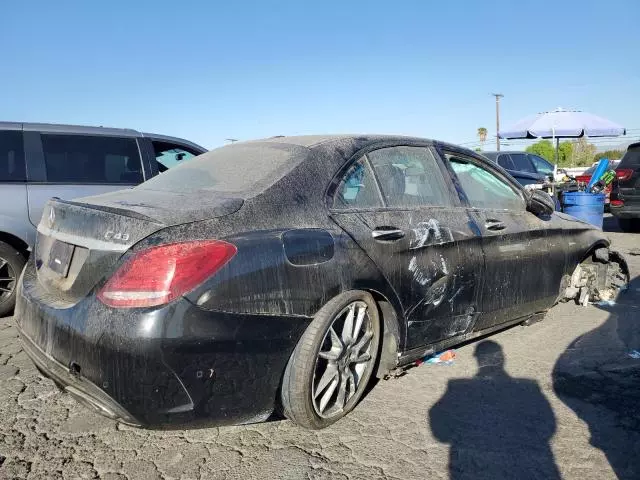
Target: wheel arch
{"points": [[392, 335], [15, 242]]}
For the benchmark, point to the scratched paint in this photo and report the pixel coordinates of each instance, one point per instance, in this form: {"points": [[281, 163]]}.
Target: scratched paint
{"points": [[430, 233], [419, 275]]}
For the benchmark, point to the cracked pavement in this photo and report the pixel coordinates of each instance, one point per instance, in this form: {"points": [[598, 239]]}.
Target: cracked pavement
{"points": [[565, 403]]}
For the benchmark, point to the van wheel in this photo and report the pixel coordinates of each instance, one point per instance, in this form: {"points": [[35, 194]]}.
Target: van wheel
{"points": [[332, 364], [11, 265]]}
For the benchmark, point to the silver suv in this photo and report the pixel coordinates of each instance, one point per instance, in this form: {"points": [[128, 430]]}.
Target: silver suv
{"points": [[40, 161]]}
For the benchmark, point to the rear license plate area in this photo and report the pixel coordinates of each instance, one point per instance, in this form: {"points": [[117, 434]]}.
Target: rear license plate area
{"points": [[60, 257]]}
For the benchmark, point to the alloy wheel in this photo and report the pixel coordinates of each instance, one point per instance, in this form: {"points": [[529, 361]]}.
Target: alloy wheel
{"points": [[7, 280], [344, 357]]}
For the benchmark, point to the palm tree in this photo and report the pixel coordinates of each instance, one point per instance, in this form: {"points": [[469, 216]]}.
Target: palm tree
{"points": [[482, 135]]}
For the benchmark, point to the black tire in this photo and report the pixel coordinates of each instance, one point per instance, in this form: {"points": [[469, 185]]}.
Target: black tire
{"points": [[629, 225], [11, 264], [297, 384]]}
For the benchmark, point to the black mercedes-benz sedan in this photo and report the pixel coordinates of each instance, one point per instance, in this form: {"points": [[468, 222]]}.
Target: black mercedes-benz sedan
{"points": [[281, 275]]}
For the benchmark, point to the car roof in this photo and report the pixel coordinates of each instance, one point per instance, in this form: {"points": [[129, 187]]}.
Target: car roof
{"points": [[311, 141], [495, 152], [89, 130], [62, 128]]}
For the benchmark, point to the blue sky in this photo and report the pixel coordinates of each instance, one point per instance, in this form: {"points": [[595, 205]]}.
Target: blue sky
{"points": [[209, 70]]}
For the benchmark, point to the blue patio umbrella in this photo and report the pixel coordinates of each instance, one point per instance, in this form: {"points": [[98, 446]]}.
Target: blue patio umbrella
{"points": [[561, 123]]}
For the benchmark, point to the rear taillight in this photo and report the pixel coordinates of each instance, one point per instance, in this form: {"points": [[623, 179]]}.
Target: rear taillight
{"points": [[158, 275], [624, 174], [617, 203]]}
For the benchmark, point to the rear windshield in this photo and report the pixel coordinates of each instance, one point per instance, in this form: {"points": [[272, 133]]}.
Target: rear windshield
{"points": [[631, 158], [243, 168]]}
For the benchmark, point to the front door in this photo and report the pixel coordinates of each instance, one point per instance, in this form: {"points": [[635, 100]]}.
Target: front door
{"points": [[522, 276], [409, 221]]}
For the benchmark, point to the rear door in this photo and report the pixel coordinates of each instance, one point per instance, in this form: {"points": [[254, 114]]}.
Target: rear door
{"points": [[409, 221], [521, 259], [69, 166]]}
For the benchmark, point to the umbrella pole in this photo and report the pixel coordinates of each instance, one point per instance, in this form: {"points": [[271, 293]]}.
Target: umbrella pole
{"points": [[557, 164]]}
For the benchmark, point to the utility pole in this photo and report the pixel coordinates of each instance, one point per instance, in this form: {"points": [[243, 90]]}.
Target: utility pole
{"points": [[498, 97]]}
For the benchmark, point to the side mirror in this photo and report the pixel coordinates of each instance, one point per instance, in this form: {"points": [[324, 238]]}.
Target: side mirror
{"points": [[540, 203]]}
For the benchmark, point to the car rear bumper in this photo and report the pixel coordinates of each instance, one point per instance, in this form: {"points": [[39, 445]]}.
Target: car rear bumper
{"points": [[80, 388], [177, 364]]}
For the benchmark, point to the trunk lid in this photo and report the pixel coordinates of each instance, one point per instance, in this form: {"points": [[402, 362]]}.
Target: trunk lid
{"points": [[79, 242]]}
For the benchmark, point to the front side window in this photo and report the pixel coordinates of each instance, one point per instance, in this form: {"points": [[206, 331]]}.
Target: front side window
{"points": [[11, 157], [409, 176], [358, 188], [542, 166], [91, 159], [521, 163], [483, 188], [169, 155]]}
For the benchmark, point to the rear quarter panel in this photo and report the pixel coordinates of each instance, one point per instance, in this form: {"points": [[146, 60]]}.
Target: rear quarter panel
{"points": [[14, 214], [265, 278]]}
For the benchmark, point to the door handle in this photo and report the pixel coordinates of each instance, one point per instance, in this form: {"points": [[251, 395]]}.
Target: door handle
{"points": [[494, 225], [387, 233]]}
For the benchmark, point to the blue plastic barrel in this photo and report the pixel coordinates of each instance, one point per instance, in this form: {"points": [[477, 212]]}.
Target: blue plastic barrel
{"points": [[588, 207]]}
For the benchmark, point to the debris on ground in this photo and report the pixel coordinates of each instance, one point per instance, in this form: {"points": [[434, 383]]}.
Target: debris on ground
{"points": [[634, 354], [601, 278], [605, 303], [443, 358], [634, 251]]}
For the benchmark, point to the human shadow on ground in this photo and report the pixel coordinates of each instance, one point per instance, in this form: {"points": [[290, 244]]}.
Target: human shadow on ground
{"points": [[598, 379], [497, 426]]}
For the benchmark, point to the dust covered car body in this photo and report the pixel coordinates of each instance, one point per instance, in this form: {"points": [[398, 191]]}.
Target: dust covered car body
{"points": [[285, 273]]}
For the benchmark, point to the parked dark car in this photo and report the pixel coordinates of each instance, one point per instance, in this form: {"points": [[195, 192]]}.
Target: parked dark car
{"points": [[285, 273], [39, 161], [625, 192], [525, 167]]}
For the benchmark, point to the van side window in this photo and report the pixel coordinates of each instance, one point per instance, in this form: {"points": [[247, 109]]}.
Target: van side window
{"points": [[11, 157], [91, 159]]}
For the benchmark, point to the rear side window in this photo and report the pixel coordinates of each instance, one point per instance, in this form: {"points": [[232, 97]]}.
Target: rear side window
{"points": [[11, 157], [409, 176], [631, 158], [521, 163], [91, 159], [358, 188], [505, 162]]}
